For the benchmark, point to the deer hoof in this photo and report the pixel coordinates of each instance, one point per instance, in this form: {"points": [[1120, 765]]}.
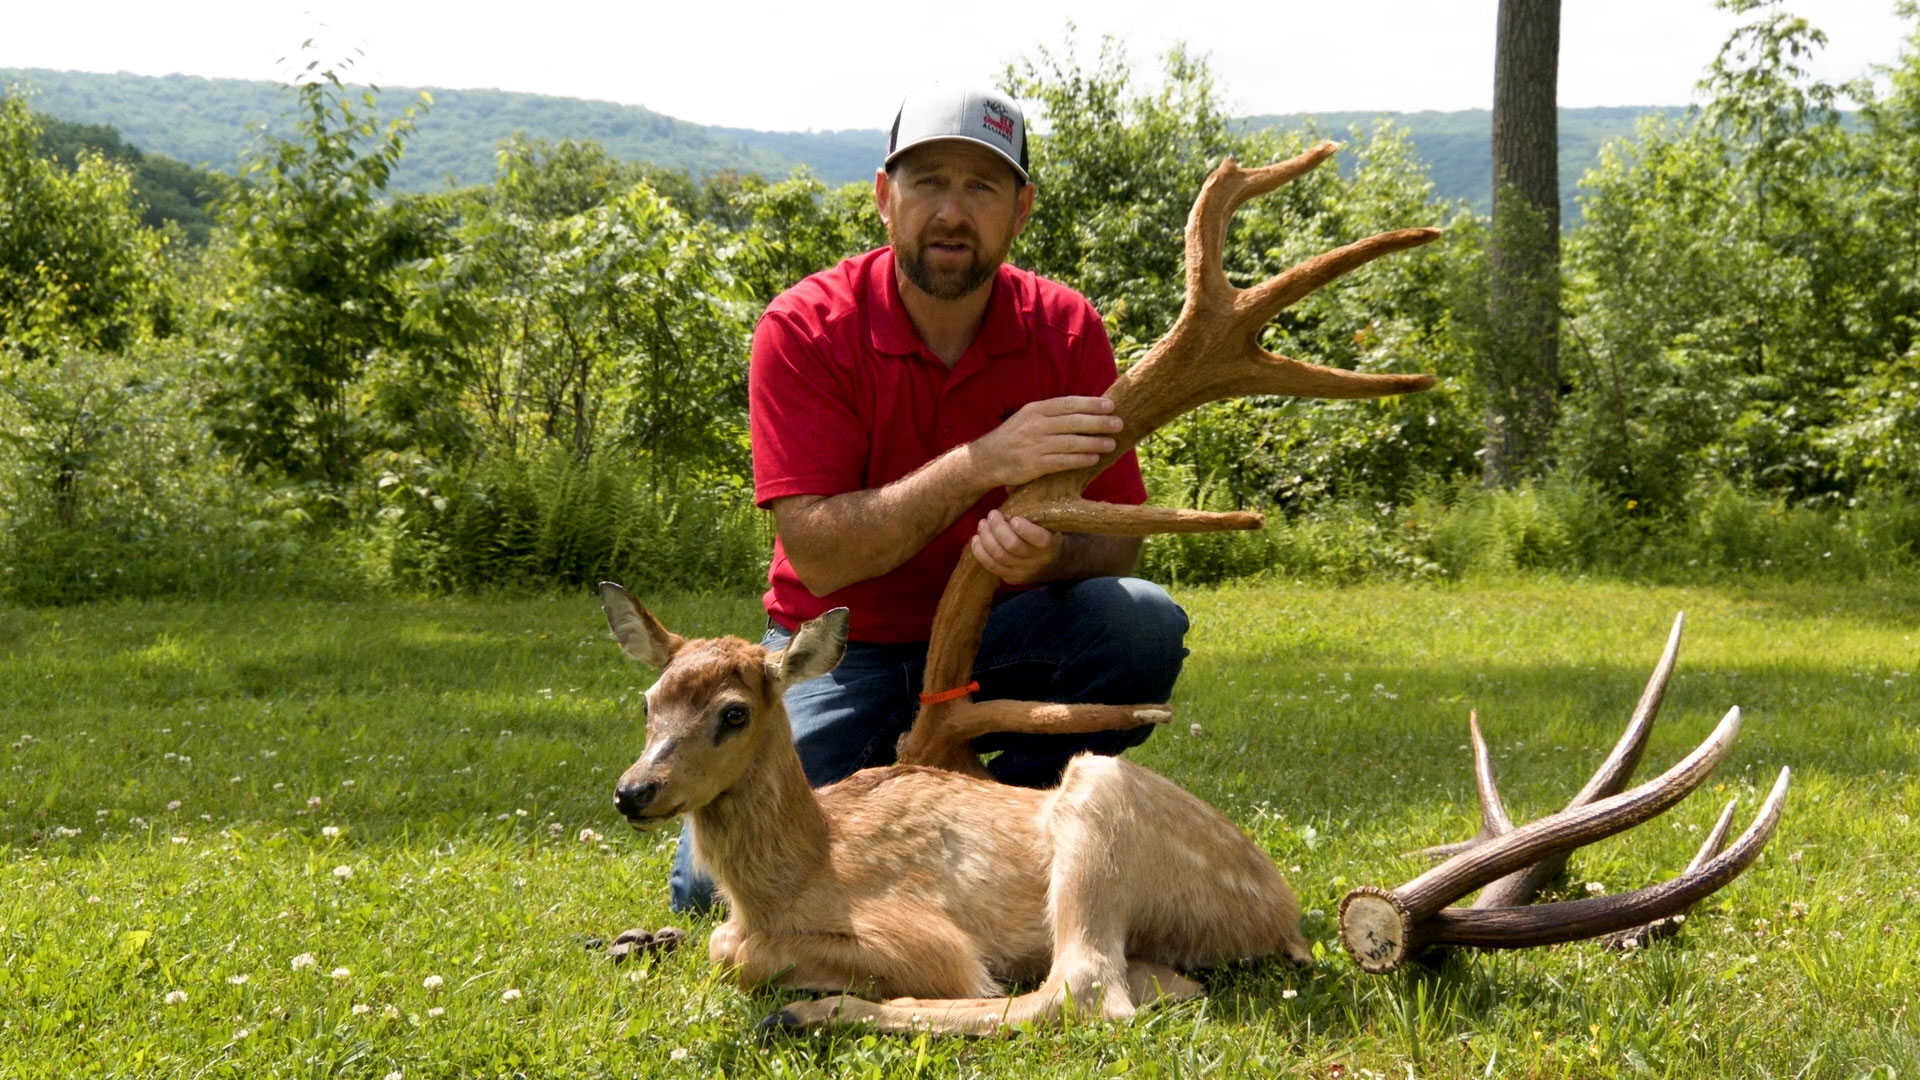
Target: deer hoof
{"points": [[782, 1022]]}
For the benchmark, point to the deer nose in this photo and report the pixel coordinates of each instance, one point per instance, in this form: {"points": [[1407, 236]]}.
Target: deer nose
{"points": [[633, 799]]}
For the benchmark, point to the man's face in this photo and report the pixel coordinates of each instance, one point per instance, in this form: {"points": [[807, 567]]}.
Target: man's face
{"points": [[952, 209]]}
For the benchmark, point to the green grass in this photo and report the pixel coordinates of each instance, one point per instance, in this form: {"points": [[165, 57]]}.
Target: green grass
{"points": [[172, 768]]}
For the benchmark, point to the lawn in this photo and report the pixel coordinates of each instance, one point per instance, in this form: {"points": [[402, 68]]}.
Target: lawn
{"points": [[307, 838]]}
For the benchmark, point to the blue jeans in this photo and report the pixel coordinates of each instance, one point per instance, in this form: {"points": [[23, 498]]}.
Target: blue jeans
{"points": [[1109, 641]]}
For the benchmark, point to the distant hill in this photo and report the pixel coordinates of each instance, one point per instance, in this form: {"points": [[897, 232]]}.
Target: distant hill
{"points": [[208, 121], [1458, 146]]}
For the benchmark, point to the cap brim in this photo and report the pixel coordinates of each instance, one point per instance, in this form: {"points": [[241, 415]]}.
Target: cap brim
{"points": [[997, 152]]}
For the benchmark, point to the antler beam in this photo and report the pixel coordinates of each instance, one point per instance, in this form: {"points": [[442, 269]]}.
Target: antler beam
{"points": [[1383, 928], [1212, 352]]}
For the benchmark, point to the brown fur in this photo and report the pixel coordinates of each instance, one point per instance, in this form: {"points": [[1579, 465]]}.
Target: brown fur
{"points": [[929, 888]]}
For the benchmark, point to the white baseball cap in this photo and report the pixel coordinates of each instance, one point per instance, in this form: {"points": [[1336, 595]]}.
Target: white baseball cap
{"points": [[939, 111]]}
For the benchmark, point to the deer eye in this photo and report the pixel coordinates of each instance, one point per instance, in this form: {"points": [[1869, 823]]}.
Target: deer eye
{"points": [[734, 716]]}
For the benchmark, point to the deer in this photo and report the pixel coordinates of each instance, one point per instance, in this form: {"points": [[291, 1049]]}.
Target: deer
{"points": [[931, 887]]}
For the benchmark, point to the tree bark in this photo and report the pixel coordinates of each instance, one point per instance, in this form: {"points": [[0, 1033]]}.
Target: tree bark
{"points": [[1523, 284]]}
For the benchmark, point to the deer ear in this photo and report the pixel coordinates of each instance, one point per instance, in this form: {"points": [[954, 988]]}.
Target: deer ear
{"points": [[640, 634], [816, 647]]}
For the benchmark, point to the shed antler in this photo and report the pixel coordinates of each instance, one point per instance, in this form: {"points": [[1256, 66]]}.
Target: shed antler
{"points": [[1384, 928], [1212, 352]]}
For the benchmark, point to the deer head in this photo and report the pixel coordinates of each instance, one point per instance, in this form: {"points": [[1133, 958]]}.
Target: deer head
{"points": [[715, 712]]}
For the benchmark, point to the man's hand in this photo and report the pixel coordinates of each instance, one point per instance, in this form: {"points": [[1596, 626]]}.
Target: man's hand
{"points": [[1015, 550], [1044, 437]]}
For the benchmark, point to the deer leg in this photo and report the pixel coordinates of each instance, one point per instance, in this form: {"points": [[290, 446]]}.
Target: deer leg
{"points": [[910, 947], [1149, 982]]}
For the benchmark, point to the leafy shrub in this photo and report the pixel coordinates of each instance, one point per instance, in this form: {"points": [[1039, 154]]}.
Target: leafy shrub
{"points": [[556, 521]]}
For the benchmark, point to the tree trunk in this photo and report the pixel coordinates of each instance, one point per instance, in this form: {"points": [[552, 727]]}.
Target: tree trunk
{"points": [[1523, 283]]}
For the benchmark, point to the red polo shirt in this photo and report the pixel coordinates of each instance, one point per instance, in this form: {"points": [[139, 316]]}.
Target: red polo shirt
{"points": [[844, 396]]}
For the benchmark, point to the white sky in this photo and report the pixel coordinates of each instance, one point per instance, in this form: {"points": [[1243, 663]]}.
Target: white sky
{"points": [[820, 64]]}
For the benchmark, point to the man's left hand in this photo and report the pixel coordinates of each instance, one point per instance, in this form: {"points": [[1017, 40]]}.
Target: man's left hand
{"points": [[1015, 550]]}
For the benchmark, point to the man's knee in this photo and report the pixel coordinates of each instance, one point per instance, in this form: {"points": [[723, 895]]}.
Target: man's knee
{"points": [[1144, 630], [1146, 617]]}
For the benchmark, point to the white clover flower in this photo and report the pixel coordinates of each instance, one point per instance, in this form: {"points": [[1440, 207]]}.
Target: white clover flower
{"points": [[176, 997], [396, 1075], [346, 783], [433, 982], [314, 800], [679, 1052], [237, 980], [304, 960], [436, 1011], [361, 1008], [342, 973], [178, 839], [174, 805], [1289, 993], [588, 836], [93, 899], [510, 994], [330, 831], [241, 1034], [1596, 888], [343, 872]]}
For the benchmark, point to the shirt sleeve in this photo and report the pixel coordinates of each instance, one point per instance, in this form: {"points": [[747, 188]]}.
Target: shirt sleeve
{"points": [[1094, 370], [808, 438]]}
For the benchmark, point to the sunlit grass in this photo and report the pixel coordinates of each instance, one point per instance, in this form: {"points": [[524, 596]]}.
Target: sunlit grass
{"points": [[198, 796]]}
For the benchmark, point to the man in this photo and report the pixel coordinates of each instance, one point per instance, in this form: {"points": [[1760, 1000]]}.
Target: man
{"points": [[894, 399]]}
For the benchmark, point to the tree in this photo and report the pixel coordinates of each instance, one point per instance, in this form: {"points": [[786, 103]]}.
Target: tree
{"points": [[1522, 377], [314, 304], [77, 270]]}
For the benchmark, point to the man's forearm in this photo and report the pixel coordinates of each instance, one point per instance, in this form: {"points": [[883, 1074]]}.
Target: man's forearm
{"points": [[834, 541]]}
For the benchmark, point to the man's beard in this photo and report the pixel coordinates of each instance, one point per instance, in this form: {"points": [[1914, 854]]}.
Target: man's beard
{"points": [[951, 284]]}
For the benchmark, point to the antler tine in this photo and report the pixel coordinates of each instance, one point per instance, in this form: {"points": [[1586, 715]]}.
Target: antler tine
{"points": [[1612, 775], [1256, 305], [1571, 920], [1668, 924], [1226, 189], [1494, 821]]}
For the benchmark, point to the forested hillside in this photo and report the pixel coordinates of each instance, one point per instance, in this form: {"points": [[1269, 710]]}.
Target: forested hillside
{"points": [[211, 121], [1455, 145], [199, 120]]}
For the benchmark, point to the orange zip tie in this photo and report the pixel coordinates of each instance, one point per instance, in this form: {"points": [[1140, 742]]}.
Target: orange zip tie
{"points": [[949, 695]]}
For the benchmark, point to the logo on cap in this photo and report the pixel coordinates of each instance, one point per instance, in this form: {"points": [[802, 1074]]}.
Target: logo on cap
{"points": [[997, 120]]}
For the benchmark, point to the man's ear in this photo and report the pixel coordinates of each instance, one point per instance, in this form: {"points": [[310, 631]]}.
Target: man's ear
{"points": [[882, 192], [1023, 207], [816, 647], [640, 634]]}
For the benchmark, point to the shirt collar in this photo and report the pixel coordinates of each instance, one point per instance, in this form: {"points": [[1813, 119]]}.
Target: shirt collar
{"points": [[890, 329]]}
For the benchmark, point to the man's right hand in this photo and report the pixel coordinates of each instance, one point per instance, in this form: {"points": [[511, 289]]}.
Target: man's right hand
{"points": [[1044, 437]]}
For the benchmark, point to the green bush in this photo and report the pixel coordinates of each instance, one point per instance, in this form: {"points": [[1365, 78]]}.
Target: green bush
{"points": [[554, 521]]}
